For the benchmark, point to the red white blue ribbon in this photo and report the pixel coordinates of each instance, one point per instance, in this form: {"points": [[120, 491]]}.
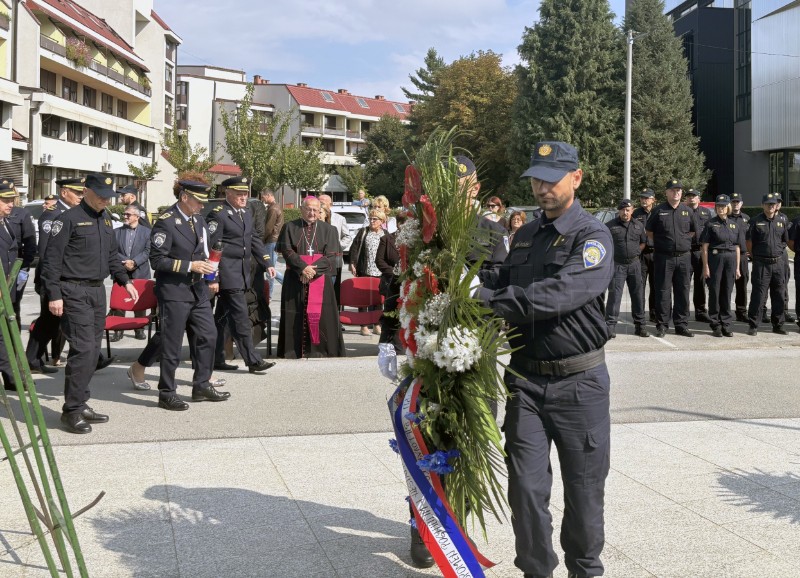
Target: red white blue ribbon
{"points": [[447, 542]]}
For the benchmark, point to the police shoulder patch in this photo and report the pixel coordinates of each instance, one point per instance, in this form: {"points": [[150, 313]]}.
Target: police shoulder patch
{"points": [[593, 253], [159, 238], [212, 227], [166, 215], [56, 228], [218, 208], [46, 226]]}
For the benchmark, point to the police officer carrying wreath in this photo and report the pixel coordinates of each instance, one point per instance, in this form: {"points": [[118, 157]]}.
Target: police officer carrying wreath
{"points": [[81, 252], [629, 239], [231, 223], [179, 258], [767, 238], [550, 289], [671, 226], [721, 253]]}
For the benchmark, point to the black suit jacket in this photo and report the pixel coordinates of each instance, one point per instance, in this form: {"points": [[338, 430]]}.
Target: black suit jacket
{"points": [[239, 242], [140, 252]]}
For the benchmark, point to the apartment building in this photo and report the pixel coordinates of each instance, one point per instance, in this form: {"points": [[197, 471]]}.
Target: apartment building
{"points": [[93, 101]]}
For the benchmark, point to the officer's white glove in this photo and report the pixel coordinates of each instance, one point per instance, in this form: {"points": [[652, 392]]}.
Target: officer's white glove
{"points": [[387, 361], [22, 278]]}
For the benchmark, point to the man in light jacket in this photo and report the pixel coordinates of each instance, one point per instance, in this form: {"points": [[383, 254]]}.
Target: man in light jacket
{"points": [[340, 224]]}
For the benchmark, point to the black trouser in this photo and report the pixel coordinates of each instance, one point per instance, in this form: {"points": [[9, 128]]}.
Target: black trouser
{"points": [[573, 413], [699, 289], [672, 275], [630, 274], [197, 320], [720, 285], [151, 352], [46, 328], [648, 271], [390, 324], [788, 271], [741, 285], [767, 278], [83, 322], [232, 309]]}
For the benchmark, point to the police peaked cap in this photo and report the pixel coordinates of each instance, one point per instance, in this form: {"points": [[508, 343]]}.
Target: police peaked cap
{"points": [[74, 184], [7, 190], [195, 188], [128, 190], [236, 183], [102, 185]]}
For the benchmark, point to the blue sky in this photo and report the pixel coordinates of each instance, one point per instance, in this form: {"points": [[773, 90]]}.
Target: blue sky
{"points": [[368, 47]]}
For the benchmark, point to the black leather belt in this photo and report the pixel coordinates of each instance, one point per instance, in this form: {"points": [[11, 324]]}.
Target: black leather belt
{"points": [[672, 253], [626, 261], [715, 251], [561, 367], [84, 282], [771, 260]]}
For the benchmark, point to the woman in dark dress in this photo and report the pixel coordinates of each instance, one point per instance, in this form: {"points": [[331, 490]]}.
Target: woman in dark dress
{"points": [[388, 259]]}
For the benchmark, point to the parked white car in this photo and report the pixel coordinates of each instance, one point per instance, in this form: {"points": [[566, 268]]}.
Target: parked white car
{"points": [[355, 216]]}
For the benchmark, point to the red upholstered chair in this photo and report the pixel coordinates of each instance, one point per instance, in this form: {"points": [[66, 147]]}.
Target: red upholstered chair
{"points": [[121, 301], [360, 292]]}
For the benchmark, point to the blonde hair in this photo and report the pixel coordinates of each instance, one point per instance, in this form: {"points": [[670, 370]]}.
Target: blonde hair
{"points": [[378, 214], [380, 202]]}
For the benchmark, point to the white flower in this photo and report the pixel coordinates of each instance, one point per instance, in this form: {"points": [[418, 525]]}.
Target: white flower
{"points": [[433, 312], [396, 269], [458, 351], [410, 358], [427, 343], [408, 233], [417, 268]]}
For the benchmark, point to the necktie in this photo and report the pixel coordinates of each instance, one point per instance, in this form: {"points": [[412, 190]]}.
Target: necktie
{"points": [[191, 223], [4, 229], [241, 215]]}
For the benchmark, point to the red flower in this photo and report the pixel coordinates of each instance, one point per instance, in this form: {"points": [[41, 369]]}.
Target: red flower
{"points": [[412, 186], [403, 250], [430, 280], [411, 342], [428, 219]]}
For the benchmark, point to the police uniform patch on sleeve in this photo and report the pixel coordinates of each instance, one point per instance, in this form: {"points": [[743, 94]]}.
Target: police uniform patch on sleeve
{"points": [[166, 215], [212, 226], [218, 209], [56, 228], [593, 253], [505, 242], [159, 238], [46, 226]]}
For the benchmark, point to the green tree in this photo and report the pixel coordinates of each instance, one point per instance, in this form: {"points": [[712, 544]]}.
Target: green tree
{"points": [[298, 166], [385, 157], [476, 94], [571, 88], [145, 171], [424, 79], [354, 177], [183, 156], [252, 138], [662, 143]]}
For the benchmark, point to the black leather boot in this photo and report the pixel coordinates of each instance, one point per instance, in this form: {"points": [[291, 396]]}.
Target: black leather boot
{"points": [[420, 556]]}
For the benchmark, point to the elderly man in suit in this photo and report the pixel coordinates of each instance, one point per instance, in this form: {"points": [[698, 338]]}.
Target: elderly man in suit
{"points": [[133, 240]]}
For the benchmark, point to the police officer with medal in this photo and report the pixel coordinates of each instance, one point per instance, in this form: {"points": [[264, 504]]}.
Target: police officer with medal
{"points": [[742, 221], [47, 326], [701, 215], [629, 239], [672, 226], [551, 291], [232, 223], [721, 253], [647, 199], [767, 237], [80, 254], [179, 259]]}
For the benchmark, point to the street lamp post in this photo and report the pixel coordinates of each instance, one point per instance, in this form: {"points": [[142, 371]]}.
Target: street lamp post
{"points": [[628, 90]]}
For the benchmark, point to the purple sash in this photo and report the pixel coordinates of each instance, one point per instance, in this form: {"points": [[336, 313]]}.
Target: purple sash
{"points": [[316, 289]]}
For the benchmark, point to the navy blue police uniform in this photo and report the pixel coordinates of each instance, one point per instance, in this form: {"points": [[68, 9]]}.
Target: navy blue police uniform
{"points": [[742, 221], [629, 237], [787, 270], [794, 245], [702, 215], [551, 291], [768, 239], [9, 252], [47, 327], [234, 227], [22, 226], [176, 241], [720, 241], [81, 252], [648, 272], [672, 230]]}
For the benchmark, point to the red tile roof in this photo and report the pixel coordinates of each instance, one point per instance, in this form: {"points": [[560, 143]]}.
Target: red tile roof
{"points": [[221, 169], [306, 96], [17, 136], [68, 13], [161, 22]]}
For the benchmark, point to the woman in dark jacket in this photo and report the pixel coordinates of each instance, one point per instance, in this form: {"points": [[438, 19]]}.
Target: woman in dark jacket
{"points": [[387, 259], [363, 252]]}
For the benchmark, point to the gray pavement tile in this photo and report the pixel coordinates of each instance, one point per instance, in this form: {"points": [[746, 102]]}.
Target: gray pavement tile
{"points": [[382, 501], [344, 523], [624, 527], [742, 506], [629, 495], [719, 483], [792, 490], [386, 565], [210, 498], [762, 564], [301, 561], [618, 565], [778, 534], [235, 508]]}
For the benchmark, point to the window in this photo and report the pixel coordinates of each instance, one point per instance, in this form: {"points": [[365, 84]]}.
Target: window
{"points": [[113, 141], [329, 146], [330, 121], [51, 126], [742, 15], [47, 81], [89, 97], [122, 108], [107, 103], [308, 119], [130, 145], [74, 131], [69, 89], [145, 148], [167, 110], [362, 103], [399, 107], [95, 137], [168, 78], [326, 96]]}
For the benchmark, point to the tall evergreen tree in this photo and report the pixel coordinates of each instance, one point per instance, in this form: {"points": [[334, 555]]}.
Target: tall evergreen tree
{"points": [[571, 88], [424, 80], [662, 143]]}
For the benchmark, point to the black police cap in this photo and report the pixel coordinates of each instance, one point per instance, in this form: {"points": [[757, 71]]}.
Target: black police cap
{"points": [[464, 166], [691, 193], [75, 184], [770, 199], [673, 184], [647, 194], [236, 183], [624, 203], [128, 190], [7, 190], [722, 200], [736, 198], [102, 185], [50, 197], [195, 188], [551, 161]]}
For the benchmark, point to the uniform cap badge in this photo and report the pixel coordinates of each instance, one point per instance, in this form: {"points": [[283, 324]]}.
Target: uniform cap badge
{"points": [[108, 181], [545, 150]]}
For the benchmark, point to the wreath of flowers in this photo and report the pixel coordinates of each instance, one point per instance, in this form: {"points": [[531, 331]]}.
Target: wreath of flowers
{"points": [[451, 342]]}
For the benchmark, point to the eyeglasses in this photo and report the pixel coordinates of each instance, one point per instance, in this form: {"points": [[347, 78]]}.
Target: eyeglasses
{"points": [[130, 215], [492, 206], [375, 219]]}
